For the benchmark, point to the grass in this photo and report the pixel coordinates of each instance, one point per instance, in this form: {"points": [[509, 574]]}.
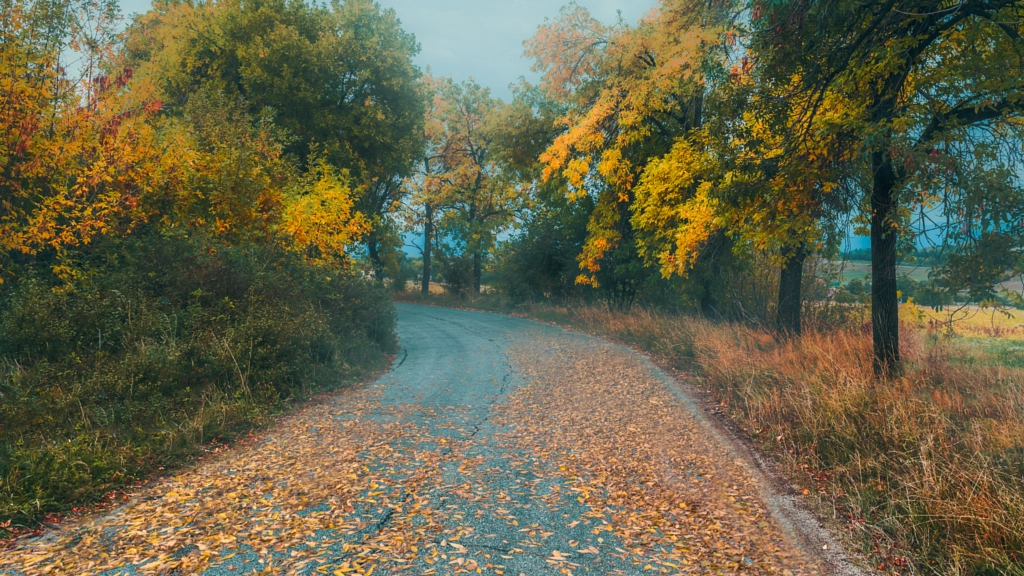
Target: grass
{"points": [[925, 472], [159, 351]]}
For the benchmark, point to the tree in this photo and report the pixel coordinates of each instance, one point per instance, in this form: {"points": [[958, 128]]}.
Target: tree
{"points": [[739, 176], [339, 79], [425, 186], [919, 80], [629, 92], [77, 152], [460, 187]]}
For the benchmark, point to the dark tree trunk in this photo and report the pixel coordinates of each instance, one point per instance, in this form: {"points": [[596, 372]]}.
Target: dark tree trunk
{"points": [[428, 233], [373, 251], [885, 308], [790, 286], [477, 265], [709, 304]]}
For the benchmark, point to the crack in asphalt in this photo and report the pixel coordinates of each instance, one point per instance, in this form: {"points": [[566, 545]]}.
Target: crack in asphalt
{"points": [[506, 378], [373, 528], [404, 358]]}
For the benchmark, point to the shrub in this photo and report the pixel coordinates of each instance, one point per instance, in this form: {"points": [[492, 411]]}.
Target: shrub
{"points": [[159, 346]]}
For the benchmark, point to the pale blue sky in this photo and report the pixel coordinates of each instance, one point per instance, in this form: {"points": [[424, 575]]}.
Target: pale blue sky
{"points": [[479, 38]]}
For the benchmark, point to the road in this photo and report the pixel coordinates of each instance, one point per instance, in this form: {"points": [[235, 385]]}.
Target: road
{"points": [[495, 445]]}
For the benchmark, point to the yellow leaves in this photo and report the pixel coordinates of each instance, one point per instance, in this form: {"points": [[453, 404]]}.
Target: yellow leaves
{"points": [[576, 171], [320, 220], [698, 220], [614, 168], [677, 209]]}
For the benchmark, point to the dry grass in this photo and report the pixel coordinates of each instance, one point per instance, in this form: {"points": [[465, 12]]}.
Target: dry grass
{"points": [[928, 469], [927, 472], [970, 321]]}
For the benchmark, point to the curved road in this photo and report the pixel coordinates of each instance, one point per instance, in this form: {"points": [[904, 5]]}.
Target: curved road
{"points": [[495, 445]]}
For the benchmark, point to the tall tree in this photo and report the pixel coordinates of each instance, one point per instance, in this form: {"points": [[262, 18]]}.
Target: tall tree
{"points": [[426, 185], [920, 79], [461, 188], [339, 78], [629, 92]]}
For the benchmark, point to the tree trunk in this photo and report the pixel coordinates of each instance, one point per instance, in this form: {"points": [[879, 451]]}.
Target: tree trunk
{"points": [[477, 265], [428, 233], [885, 306], [373, 251], [790, 286]]}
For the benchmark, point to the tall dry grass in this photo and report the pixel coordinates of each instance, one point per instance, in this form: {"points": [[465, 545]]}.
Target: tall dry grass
{"points": [[927, 469], [926, 472]]}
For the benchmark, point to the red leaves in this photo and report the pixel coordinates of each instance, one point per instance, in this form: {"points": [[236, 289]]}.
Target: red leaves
{"points": [[26, 130], [124, 77]]}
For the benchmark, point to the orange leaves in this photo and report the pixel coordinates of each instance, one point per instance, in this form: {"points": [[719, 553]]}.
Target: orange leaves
{"points": [[569, 50], [75, 155]]}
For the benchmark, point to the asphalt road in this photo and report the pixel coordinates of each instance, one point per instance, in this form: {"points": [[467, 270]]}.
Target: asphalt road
{"points": [[495, 445]]}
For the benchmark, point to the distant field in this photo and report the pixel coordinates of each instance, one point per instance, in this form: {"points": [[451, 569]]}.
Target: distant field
{"points": [[970, 322], [857, 269]]}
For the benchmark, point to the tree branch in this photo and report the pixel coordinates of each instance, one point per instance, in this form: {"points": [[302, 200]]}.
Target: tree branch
{"points": [[965, 116]]}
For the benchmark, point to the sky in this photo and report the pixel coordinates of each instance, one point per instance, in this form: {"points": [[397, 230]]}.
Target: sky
{"points": [[482, 39]]}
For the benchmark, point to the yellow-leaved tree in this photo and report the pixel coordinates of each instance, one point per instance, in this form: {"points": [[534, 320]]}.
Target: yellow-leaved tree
{"points": [[319, 216], [77, 151], [629, 92]]}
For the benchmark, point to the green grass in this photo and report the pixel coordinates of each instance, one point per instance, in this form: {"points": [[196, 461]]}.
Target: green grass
{"points": [[149, 357], [990, 352]]}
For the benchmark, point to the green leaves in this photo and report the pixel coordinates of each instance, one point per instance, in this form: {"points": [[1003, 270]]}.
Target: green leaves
{"points": [[340, 77]]}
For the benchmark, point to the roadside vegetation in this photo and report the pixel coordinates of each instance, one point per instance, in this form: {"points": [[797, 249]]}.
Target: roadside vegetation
{"points": [[160, 349], [179, 228]]}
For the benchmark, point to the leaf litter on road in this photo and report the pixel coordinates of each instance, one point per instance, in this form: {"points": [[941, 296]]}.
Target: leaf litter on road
{"points": [[590, 465]]}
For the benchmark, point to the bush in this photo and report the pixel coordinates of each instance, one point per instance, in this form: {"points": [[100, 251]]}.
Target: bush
{"points": [[159, 346], [456, 272]]}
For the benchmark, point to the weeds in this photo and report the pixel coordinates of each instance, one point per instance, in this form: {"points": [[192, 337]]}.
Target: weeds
{"points": [[134, 367]]}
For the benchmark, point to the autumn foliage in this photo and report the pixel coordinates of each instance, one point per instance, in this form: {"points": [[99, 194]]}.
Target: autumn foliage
{"points": [[176, 251]]}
